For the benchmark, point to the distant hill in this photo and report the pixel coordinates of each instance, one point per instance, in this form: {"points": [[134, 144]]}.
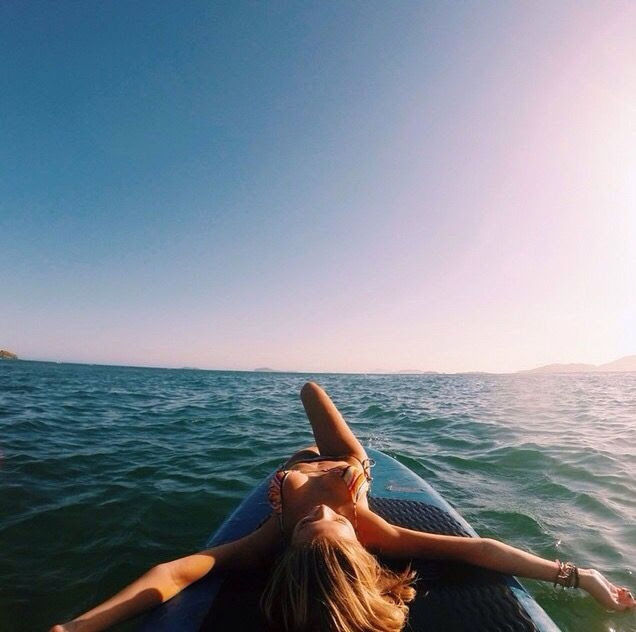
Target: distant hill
{"points": [[628, 363], [7, 355], [265, 370], [415, 372], [622, 365]]}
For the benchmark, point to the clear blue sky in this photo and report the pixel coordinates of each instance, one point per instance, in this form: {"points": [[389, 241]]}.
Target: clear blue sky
{"points": [[318, 186]]}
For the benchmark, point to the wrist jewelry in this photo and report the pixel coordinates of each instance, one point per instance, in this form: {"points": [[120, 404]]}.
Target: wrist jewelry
{"points": [[567, 575]]}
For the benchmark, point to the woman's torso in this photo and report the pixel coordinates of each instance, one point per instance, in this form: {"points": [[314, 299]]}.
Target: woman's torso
{"points": [[339, 482]]}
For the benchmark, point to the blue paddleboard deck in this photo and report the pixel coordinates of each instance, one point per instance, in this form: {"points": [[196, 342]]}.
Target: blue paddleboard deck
{"points": [[451, 597]]}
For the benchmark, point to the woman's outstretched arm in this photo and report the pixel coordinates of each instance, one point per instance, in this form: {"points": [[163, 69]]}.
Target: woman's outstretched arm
{"points": [[164, 581], [148, 591], [387, 539]]}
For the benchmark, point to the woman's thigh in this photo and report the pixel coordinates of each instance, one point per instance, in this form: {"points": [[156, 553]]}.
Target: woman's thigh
{"points": [[331, 432]]}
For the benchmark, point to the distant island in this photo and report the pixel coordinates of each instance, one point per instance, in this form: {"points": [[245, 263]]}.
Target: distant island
{"points": [[622, 365], [416, 372], [7, 355], [264, 370]]}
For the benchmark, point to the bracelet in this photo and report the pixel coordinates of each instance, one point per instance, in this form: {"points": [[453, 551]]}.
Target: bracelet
{"points": [[567, 575]]}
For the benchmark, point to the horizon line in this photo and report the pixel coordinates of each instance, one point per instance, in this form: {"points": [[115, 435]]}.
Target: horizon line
{"points": [[263, 369], [535, 370]]}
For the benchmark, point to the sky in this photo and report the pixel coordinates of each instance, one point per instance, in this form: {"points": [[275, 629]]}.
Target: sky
{"points": [[317, 186]]}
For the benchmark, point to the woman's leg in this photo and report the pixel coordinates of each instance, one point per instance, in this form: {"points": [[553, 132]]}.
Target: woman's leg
{"points": [[333, 435]]}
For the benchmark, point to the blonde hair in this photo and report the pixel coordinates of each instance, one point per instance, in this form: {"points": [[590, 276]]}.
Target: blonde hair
{"points": [[331, 585]]}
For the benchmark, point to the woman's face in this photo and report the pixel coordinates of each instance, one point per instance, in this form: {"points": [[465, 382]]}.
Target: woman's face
{"points": [[322, 521]]}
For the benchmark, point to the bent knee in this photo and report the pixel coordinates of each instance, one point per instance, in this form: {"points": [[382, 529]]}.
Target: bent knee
{"points": [[309, 388]]}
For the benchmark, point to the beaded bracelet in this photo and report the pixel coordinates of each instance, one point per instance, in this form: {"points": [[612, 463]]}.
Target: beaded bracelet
{"points": [[568, 575]]}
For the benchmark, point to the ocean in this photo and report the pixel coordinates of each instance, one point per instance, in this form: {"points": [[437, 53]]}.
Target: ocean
{"points": [[106, 471]]}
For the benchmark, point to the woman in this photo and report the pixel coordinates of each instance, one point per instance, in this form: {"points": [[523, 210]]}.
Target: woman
{"points": [[327, 578]]}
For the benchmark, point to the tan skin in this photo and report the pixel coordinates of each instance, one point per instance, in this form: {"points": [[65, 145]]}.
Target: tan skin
{"points": [[318, 504]]}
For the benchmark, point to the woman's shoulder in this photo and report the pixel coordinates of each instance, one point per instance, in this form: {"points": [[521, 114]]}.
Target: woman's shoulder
{"points": [[373, 530]]}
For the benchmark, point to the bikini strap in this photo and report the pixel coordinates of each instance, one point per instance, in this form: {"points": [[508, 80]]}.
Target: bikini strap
{"points": [[366, 466], [356, 481], [275, 495]]}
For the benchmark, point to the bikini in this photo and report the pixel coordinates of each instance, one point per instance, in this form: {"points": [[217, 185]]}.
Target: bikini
{"points": [[355, 477]]}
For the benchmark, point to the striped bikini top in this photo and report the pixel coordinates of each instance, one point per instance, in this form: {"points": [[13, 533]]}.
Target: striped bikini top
{"points": [[355, 477]]}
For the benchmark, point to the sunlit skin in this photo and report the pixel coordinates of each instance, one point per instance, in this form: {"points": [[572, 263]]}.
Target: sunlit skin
{"points": [[322, 521]]}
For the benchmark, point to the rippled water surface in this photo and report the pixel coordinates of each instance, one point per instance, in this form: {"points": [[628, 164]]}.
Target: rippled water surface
{"points": [[106, 471]]}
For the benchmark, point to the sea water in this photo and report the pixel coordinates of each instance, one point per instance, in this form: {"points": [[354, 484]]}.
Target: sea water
{"points": [[106, 471]]}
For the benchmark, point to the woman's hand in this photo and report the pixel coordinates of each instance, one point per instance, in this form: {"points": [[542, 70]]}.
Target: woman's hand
{"points": [[610, 596], [64, 627]]}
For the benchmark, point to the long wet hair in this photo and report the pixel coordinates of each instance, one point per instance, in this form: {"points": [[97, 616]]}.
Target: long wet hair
{"points": [[329, 585]]}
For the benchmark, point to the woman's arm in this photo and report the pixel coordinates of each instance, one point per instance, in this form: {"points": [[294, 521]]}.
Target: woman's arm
{"points": [[149, 590], [164, 581], [393, 541]]}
